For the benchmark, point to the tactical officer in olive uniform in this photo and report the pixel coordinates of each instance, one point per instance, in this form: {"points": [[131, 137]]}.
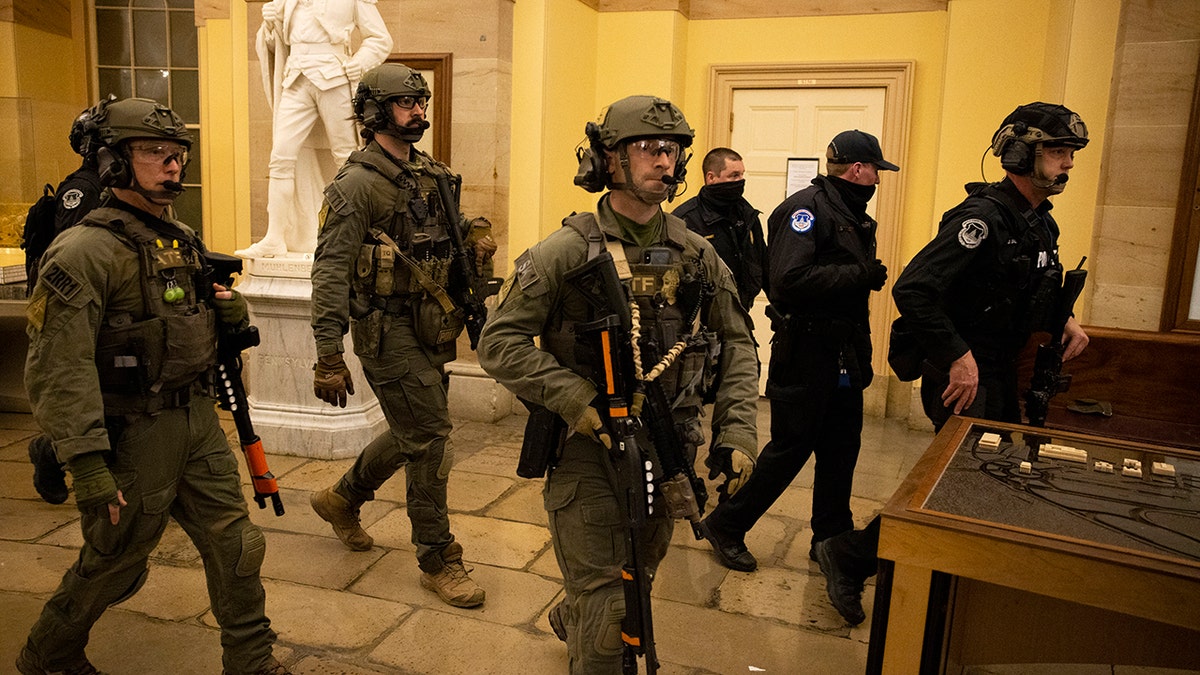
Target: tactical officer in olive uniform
{"points": [[973, 296], [121, 340], [823, 269], [684, 294], [381, 269], [75, 197]]}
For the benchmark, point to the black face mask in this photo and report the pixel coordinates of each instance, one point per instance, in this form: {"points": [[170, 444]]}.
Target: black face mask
{"points": [[724, 193], [855, 195]]}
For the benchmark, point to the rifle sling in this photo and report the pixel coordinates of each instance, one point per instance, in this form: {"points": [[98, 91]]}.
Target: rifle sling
{"points": [[422, 277]]}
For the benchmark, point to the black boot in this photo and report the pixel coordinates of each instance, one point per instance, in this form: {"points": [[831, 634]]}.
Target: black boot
{"points": [[49, 479], [844, 589]]}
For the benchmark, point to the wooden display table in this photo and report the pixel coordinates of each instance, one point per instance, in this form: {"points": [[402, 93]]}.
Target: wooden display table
{"points": [[984, 561]]}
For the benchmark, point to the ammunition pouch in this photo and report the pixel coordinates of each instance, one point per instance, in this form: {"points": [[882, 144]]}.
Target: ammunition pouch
{"points": [[367, 333], [148, 359]]}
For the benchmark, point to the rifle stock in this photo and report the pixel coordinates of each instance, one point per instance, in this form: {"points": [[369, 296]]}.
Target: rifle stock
{"points": [[232, 392], [465, 288], [1048, 378]]}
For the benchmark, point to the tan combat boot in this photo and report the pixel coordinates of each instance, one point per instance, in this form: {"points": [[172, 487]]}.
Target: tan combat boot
{"points": [[337, 511], [451, 582]]}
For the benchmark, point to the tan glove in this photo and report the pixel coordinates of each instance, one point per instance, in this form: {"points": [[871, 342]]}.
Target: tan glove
{"points": [[589, 425], [734, 464], [331, 380]]}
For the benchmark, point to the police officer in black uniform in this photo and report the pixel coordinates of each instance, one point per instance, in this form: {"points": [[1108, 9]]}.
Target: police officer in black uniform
{"points": [[722, 215], [973, 296], [823, 268]]}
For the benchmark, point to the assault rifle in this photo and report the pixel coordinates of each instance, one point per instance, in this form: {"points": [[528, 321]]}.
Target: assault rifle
{"points": [[630, 470], [465, 287], [1048, 378], [231, 396]]}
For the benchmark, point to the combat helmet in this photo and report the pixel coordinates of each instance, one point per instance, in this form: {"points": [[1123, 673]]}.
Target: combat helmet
{"points": [[118, 121], [1032, 124], [382, 84], [627, 119]]}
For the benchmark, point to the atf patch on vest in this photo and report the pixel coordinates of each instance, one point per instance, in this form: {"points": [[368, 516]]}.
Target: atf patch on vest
{"points": [[973, 232], [802, 220], [72, 198], [61, 281]]}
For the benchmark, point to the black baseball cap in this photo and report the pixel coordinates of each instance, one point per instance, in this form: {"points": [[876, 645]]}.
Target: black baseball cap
{"points": [[853, 146]]}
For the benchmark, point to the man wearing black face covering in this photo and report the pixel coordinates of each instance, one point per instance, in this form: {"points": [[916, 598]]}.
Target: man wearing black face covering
{"points": [[822, 269], [722, 216]]}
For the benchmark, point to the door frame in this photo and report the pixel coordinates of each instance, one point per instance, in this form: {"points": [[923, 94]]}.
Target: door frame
{"points": [[896, 79]]}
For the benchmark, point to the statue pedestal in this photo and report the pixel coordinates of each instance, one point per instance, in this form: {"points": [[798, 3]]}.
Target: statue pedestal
{"points": [[287, 416]]}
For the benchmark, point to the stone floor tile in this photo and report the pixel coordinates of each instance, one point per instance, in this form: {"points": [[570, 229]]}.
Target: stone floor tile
{"points": [[468, 646], [130, 643], [688, 575], [281, 465], [299, 517], [513, 598], [317, 617], [315, 561], [500, 542], [719, 642], [69, 535], [394, 530], [175, 547], [19, 612], [171, 593], [473, 492], [523, 504], [543, 620], [546, 565], [793, 597], [468, 436], [493, 459], [316, 665], [33, 568], [27, 519], [312, 475], [16, 479]]}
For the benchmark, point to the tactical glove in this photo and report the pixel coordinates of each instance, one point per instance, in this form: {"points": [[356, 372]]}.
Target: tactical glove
{"points": [[589, 425], [876, 274], [735, 464], [331, 380], [95, 485], [232, 312]]}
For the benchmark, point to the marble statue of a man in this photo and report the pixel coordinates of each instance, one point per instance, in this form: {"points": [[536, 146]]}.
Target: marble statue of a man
{"points": [[309, 75]]}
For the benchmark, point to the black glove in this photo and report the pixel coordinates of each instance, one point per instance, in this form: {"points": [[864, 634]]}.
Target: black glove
{"points": [[876, 274], [331, 380], [94, 484]]}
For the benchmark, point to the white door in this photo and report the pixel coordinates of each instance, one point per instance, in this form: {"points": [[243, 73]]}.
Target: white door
{"points": [[771, 125]]}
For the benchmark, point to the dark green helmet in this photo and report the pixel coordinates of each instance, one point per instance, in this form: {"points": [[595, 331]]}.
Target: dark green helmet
{"points": [[638, 116], [386, 82], [139, 118]]}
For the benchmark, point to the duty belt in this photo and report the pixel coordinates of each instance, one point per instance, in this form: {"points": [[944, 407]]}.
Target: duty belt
{"points": [[392, 305]]}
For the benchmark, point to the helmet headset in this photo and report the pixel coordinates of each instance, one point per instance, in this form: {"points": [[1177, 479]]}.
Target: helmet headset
{"points": [[114, 123], [627, 120], [1030, 127]]}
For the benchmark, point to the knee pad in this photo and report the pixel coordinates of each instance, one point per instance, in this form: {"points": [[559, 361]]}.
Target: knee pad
{"points": [[608, 637], [254, 549], [443, 470]]}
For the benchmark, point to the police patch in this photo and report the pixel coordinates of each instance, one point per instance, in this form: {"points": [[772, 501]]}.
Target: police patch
{"points": [[802, 220], [71, 198], [973, 232], [60, 281]]}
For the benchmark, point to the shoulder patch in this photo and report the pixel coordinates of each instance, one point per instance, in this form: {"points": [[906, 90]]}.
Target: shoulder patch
{"points": [[335, 199], [60, 280], [526, 273], [35, 311], [972, 234], [802, 220], [72, 198]]}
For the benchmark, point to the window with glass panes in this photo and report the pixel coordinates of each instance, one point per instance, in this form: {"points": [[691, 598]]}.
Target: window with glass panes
{"points": [[147, 48]]}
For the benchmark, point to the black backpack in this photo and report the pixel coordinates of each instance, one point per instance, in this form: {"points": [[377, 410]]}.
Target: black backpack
{"points": [[38, 232]]}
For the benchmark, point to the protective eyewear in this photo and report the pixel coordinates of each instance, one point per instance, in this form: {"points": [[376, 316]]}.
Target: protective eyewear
{"points": [[407, 102], [653, 147], [163, 153]]}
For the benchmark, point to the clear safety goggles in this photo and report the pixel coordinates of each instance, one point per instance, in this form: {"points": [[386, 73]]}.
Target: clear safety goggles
{"points": [[407, 102], [162, 153], [653, 147]]}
